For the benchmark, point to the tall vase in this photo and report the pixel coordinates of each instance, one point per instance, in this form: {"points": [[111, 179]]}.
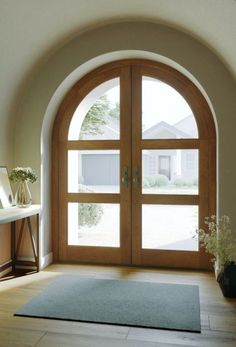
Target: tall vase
{"points": [[23, 196]]}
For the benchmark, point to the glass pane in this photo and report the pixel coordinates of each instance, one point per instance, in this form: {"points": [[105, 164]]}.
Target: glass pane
{"points": [[165, 113], [98, 115], [94, 171], [173, 171], [159, 231], [93, 224]]}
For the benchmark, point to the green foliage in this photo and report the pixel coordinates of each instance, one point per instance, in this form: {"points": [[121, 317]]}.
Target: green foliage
{"points": [[155, 181], [161, 180], [20, 174], [97, 116], [149, 181], [145, 182], [180, 182], [115, 111], [90, 214], [219, 239]]}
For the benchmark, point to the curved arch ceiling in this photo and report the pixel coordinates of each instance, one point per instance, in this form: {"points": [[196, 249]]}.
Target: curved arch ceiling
{"points": [[30, 31]]}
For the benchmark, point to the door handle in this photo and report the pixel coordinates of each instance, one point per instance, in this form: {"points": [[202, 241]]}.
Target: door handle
{"points": [[135, 177], [125, 176]]}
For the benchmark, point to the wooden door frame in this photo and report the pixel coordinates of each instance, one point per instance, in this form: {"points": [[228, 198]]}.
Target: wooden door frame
{"points": [[204, 120]]}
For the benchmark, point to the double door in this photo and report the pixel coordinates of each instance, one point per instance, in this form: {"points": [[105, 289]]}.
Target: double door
{"points": [[133, 177]]}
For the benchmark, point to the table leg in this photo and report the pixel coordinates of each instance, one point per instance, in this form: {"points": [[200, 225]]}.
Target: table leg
{"points": [[13, 244], [34, 247]]}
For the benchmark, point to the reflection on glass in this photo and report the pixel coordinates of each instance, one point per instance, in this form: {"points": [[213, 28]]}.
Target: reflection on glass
{"points": [[98, 115], [94, 171], [91, 224], [173, 171], [159, 231], [165, 113]]}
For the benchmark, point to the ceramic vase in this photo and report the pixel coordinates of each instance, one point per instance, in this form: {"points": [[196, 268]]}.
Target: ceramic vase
{"points": [[227, 280]]}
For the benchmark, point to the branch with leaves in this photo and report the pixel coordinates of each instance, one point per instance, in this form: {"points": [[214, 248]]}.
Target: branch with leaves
{"points": [[219, 239], [98, 116]]}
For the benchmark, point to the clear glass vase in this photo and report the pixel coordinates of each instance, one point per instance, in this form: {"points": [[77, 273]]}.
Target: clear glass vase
{"points": [[23, 196]]}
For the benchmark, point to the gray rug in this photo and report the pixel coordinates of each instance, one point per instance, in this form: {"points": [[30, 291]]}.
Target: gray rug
{"points": [[122, 302]]}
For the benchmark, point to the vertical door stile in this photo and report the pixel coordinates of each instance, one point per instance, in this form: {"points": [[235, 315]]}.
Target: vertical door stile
{"points": [[125, 165], [203, 195], [136, 165]]}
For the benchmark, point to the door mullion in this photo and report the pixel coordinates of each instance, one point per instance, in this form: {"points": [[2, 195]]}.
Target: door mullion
{"points": [[125, 164], [136, 164]]}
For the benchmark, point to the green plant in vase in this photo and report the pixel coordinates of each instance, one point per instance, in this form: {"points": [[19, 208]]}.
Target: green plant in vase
{"points": [[220, 241], [23, 175]]}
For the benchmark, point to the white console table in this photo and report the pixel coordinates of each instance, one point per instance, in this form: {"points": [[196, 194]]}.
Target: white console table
{"points": [[11, 215]]}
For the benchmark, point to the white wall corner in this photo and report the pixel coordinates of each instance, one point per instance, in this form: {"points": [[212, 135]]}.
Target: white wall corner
{"points": [[46, 260]]}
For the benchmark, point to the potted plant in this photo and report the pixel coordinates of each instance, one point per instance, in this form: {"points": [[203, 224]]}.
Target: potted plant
{"points": [[23, 175], [220, 241]]}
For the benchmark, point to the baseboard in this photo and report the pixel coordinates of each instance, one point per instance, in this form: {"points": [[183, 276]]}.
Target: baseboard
{"points": [[46, 260]]}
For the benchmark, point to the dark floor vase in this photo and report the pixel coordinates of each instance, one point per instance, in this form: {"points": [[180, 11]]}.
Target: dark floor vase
{"points": [[227, 280]]}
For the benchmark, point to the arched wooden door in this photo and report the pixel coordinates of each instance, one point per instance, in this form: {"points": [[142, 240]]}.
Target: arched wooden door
{"points": [[133, 168]]}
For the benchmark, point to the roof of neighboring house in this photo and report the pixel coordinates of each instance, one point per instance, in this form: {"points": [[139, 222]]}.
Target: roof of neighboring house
{"points": [[186, 128], [164, 128], [188, 125], [109, 131]]}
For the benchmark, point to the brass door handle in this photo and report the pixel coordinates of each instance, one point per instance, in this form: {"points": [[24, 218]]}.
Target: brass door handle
{"points": [[125, 176], [135, 177]]}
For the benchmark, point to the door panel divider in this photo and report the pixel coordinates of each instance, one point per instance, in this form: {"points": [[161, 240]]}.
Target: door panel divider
{"points": [[171, 144], [93, 144], [93, 197], [166, 199]]}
